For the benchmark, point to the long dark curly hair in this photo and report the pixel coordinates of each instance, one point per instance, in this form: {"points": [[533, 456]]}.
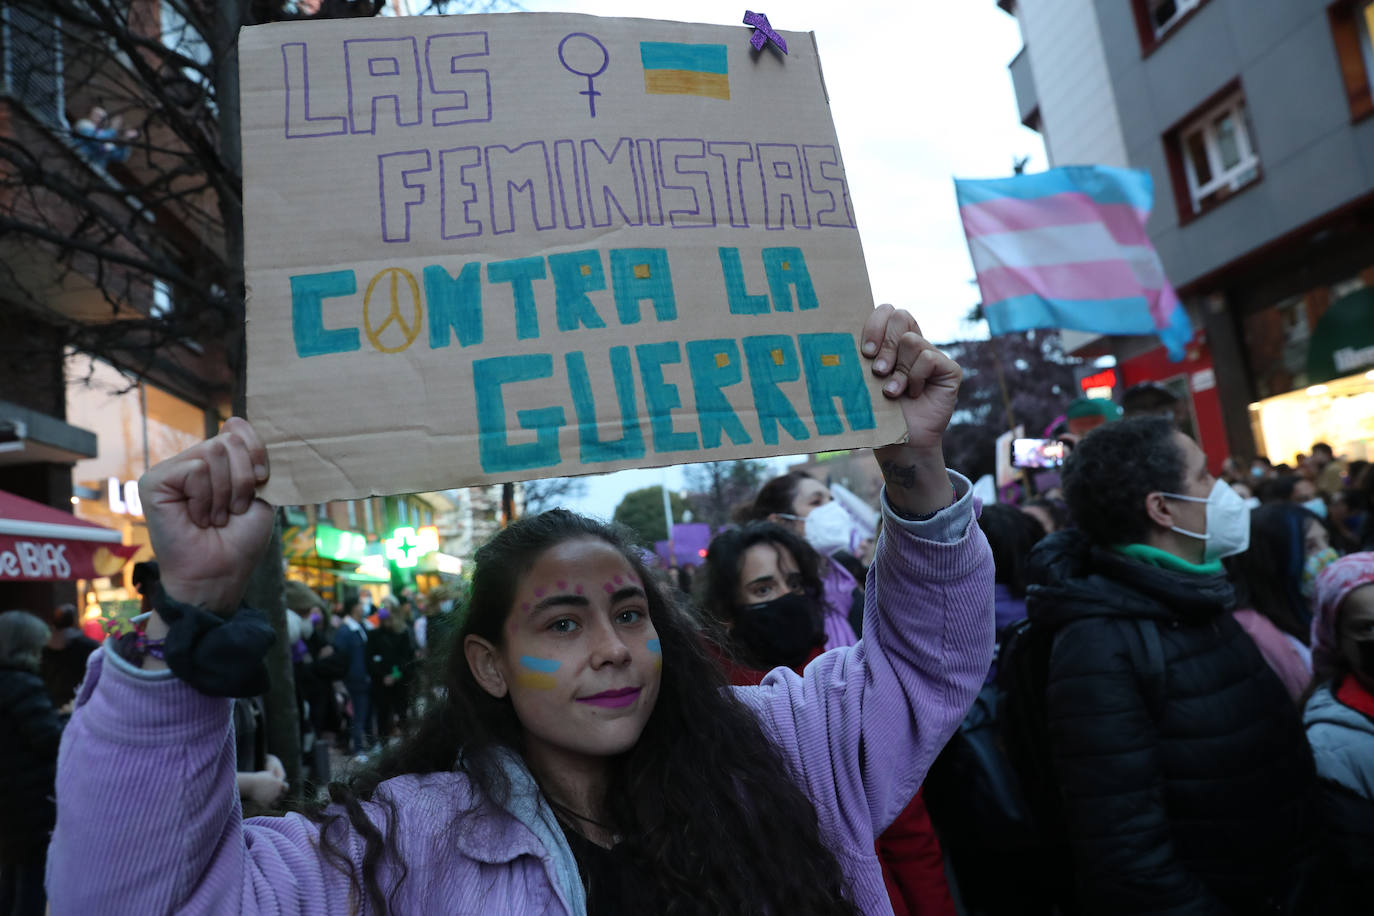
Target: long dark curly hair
{"points": [[704, 798]]}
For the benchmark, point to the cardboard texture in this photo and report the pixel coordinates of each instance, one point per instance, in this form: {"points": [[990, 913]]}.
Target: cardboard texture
{"points": [[502, 247]]}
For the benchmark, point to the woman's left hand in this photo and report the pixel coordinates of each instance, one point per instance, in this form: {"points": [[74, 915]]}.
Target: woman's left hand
{"points": [[925, 382]]}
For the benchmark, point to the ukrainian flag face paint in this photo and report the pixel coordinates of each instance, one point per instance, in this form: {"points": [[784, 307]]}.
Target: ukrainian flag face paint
{"points": [[538, 673], [581, 658]]}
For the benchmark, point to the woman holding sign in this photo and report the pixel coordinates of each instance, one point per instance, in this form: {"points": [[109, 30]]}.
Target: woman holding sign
{"points": [[587, 757]]}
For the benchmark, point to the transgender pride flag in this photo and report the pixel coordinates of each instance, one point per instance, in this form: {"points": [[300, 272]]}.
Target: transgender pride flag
{"points": [[1067, 249]]}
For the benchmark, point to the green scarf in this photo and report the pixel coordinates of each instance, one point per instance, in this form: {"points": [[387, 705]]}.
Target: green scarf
{"points": [[1153, 556]]}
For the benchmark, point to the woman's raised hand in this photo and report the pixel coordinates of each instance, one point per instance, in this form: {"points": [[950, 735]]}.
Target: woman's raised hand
{"points": [[925, 382], [205, 522]]}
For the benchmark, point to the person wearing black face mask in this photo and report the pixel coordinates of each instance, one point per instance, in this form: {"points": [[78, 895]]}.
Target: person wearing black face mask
{"points": [[763, 592], [765, 598], [1340, 722]]}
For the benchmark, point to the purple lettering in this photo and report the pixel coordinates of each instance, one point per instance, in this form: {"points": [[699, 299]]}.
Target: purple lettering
{"points": [[296, 79], [470, 88], [732, 157], [380, 70], [453, 167], [831, 184], [511, 171], [780, 167], [611, 180]]}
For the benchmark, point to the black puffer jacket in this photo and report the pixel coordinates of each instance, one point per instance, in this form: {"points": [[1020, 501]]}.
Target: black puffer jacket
{"points": [[1186, 794], [30, 732]]}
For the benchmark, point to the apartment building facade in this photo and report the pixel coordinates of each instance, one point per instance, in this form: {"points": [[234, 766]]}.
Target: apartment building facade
{"points": [[1256, 120]]}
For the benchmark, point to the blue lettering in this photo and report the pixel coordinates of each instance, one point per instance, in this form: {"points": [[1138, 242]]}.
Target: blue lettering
{"points": [[496, 453], [593, 447], [308, 292], [520, 273], [455, 304], [785, 267], [715, 364], [741, 301], [772, 360], [833, 371], [638, 274], [661, 397], [574, 274]]}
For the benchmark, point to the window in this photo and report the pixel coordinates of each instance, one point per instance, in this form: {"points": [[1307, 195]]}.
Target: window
{"points": [[1217, 155], [1165, 14], [181, 37], [352, 515], [322, 513], [1364, 22], [1352, 30], [31, 62], [1156, 20]]}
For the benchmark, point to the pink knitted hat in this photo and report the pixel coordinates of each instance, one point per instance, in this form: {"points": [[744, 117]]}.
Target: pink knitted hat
{"points": [[1333, 585]]}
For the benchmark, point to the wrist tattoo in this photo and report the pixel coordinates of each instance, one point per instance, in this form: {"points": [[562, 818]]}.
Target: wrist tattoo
{"points": [[900, 475]]}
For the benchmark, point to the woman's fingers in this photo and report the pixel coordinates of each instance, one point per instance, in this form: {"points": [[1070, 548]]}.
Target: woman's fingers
{"points": [[881, 331], [195, 489], [221, 489], [882, 336], [242, 480], [242, 430]]}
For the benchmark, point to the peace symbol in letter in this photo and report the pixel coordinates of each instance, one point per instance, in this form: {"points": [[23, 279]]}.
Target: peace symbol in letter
{"points": [[411, 328]]}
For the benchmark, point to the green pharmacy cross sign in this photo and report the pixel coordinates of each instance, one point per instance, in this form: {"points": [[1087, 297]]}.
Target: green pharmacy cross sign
{"points": [[406, 546]]}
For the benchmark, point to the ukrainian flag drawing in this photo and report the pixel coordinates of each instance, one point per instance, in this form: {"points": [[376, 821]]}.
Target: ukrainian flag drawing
{"points": [[671, 68]]}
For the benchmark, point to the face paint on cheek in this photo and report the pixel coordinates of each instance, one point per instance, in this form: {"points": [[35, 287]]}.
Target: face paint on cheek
{"points": [[656, 647], [540, 673]]}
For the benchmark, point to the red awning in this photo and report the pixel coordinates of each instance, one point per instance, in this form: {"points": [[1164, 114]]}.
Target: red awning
{"points": [[38, 542]]}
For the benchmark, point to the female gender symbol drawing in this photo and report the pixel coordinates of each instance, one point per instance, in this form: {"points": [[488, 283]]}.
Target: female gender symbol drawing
{"points": [[590, 92]]}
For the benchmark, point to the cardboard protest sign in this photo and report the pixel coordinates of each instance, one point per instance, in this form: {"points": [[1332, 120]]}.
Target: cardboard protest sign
{"points": [[489, 248]]}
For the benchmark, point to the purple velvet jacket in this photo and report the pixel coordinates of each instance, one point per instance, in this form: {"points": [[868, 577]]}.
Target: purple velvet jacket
{"points": [[149, 820]]}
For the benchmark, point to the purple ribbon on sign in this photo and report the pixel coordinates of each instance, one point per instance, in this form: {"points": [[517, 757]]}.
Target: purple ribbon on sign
{"points": [[763, 32]]}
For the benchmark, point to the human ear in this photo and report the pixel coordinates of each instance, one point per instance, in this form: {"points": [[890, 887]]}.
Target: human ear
{"points": [[485, 665], [1157, 508]]}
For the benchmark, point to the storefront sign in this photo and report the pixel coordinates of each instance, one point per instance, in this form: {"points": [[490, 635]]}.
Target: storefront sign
{"points": [[51, 560], [407, 545], [1098, 380], [1343, 340], [337, 544], [544, 245], [123, 497]]}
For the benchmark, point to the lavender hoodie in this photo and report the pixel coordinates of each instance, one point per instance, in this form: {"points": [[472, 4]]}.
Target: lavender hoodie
{"points": [[149, 819]]}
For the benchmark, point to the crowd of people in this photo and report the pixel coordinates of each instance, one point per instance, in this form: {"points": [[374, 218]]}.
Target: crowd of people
{"points": [[1147, 690]]}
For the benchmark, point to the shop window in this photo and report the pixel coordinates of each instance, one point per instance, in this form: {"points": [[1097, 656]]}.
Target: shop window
{"points": [[1157, 19], [353, 515], [1352, 31], [31, 48], [322, 513], [1212, 155]]}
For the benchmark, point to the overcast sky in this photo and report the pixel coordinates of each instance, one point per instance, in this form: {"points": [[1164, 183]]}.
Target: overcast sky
{"points": [[920, 93]]}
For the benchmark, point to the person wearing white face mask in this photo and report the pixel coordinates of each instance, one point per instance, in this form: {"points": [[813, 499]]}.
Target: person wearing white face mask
{"points": [[1181, 765], [804, 505]]}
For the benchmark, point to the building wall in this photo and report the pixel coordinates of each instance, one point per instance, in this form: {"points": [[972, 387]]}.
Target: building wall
{"points": [[1312, 159], [1069, 64]]}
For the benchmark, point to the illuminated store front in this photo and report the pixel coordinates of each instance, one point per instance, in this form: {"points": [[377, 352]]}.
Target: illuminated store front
{"points": [[137, 425], [1314, 357]]}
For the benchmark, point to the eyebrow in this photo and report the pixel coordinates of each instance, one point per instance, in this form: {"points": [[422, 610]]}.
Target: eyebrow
{"points": [[629, 591], [761, 580]]}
